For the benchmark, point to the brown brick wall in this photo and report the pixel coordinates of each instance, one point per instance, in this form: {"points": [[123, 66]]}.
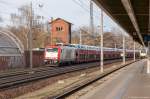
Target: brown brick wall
{"points": [[60, 36]]}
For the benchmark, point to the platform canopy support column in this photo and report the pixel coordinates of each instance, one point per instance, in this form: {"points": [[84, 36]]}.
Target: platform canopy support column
{"points": [[148, 58], [134, 49], [101, 43], [124, 54], [148, 51]]}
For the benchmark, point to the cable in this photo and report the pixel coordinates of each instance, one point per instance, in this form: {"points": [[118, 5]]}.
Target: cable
{"points": [[81, 1], [80, 5], [83, 7]]}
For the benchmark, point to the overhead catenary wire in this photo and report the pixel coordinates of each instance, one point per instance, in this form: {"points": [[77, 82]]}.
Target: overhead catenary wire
{"points": [[83, 3], [84, 8]]}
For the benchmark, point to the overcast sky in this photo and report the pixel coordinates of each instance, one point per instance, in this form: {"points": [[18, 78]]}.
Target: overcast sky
{"points": [[75, 11]]}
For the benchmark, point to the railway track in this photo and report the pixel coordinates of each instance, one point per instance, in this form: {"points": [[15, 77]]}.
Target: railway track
{"points": [[82, 85], [26, 71], [13, 79]]}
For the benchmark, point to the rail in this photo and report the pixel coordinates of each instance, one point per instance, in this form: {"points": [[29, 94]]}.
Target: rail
{"points": [[16, 78]]}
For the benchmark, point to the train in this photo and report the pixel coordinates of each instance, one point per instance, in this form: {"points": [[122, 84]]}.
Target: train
{"points": [[76, 53], [143, 53]]}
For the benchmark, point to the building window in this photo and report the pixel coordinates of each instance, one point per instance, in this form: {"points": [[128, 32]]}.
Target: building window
{"points": [[59, 28]]}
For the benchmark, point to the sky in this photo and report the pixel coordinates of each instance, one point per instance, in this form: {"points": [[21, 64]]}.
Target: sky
{"points": [[74, 11]]}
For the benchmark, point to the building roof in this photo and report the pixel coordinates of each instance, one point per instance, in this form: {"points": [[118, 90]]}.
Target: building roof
{"points": [[132, 15], [60, 19], [7, 46]]}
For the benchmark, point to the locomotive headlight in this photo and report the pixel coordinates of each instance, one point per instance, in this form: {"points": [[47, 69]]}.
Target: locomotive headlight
{"points": [[121, 54], [45, 60], [55, 61]]}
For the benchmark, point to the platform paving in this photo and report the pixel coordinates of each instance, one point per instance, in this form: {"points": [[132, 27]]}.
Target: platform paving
{"points": [[131, 83]]}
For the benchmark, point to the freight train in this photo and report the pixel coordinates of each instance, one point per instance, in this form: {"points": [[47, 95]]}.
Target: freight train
{"points": [[76, 53]]}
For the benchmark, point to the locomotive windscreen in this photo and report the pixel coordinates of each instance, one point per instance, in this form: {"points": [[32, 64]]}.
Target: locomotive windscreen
{"points": [[52, 49], [51, 53]]}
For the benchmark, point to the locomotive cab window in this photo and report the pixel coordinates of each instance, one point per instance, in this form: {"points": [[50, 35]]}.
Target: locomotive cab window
{"points": [[52, 50]]}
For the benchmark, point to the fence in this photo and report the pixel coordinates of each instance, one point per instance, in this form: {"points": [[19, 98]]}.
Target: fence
{"points": [[21, 61], [11, 61], [38, 58]]}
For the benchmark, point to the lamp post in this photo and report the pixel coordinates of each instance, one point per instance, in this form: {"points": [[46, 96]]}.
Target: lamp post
{"points": [[30, 36], [80, 37], [101, 44]]}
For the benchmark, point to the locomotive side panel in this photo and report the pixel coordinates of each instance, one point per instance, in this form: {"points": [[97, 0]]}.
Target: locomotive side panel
{"points": [[67, 55]]}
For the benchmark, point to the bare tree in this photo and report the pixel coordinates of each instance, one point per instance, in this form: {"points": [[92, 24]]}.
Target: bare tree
{"points": [[111, 39], [20, 27]]}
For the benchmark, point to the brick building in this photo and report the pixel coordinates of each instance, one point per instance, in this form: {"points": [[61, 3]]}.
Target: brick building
{"points": [[60, 31]]}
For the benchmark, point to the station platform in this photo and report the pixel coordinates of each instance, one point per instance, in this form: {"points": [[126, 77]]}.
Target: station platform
{"points": [[130, 83]]}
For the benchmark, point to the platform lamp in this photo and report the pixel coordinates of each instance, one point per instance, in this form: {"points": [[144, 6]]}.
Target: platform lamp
{"points": [[30, 38]]}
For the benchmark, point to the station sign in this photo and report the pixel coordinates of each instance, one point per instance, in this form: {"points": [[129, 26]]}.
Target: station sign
{"points": [[146, 38]]}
